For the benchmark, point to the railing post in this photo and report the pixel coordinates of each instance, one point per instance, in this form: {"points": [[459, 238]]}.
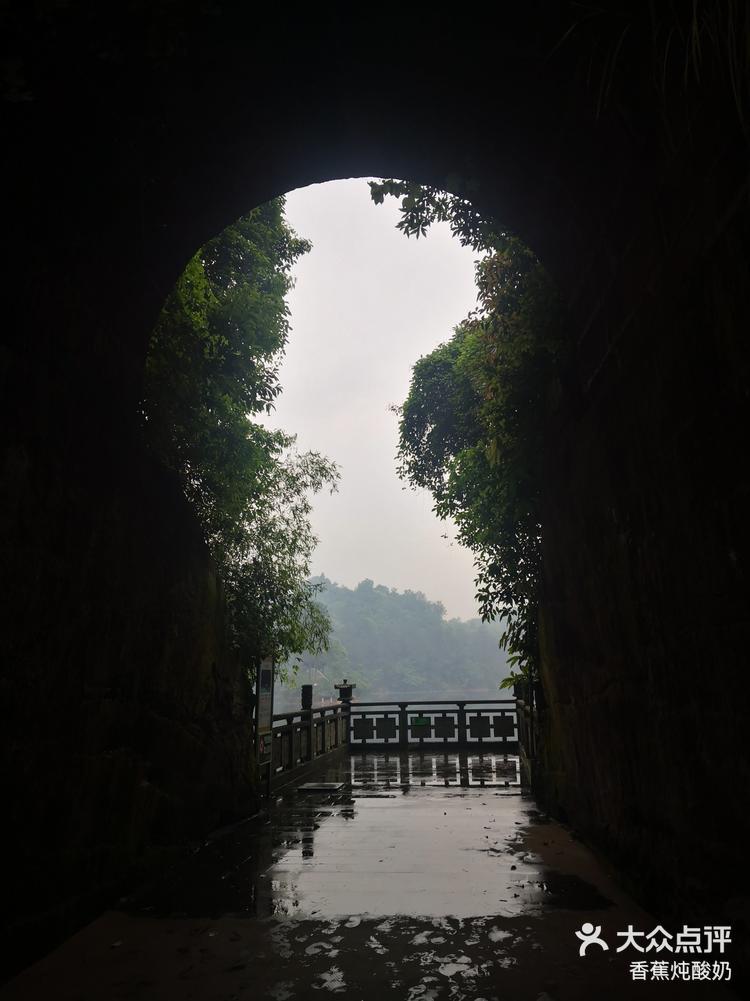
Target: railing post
{"points": [[526, 721], [346, 723], [292, 756], [403, 725], [310, 734], [345, 689], [461, 727]]}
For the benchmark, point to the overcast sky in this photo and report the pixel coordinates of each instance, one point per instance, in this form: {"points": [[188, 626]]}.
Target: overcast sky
{"points": [[367, 304]]}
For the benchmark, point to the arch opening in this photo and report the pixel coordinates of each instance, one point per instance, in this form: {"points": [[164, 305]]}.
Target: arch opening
{"points": [[504, 277]]}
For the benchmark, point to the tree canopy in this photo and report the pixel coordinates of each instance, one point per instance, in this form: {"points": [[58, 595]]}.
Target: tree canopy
{"points": [[472, 428], [212, 365], [391, 642]]}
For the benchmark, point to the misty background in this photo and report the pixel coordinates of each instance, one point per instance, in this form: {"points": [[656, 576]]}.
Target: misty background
{"points": [[367, 303]]}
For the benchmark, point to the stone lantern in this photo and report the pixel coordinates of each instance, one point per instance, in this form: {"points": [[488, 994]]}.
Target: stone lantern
{"points": [[344, 689]]}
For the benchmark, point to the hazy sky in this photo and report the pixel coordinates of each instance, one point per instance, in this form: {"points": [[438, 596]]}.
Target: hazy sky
{"points": [[367, 304]]}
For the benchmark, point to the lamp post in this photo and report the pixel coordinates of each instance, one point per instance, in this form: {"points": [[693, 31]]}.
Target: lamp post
{"points": [[345, 688]]}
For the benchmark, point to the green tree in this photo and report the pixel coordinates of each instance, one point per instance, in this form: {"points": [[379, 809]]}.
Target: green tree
{"points": [[472, 429], [389, 641], [212, 365]]}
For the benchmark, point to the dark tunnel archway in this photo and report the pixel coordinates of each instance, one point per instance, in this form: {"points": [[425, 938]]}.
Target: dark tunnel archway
{"points": [[128, 157]]}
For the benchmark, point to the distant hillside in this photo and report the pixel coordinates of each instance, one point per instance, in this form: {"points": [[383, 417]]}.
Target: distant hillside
{"points": [[399, 644]]}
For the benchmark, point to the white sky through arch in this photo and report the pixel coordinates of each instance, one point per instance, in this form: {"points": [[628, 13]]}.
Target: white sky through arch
{"points": [[368, 303]]}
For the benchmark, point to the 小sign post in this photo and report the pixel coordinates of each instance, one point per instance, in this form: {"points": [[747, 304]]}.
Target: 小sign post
{"points": [[264, 721]]}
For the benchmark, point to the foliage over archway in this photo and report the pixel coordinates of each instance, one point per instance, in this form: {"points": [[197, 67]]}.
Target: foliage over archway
{"points": [[472, 428], [212, 365]]}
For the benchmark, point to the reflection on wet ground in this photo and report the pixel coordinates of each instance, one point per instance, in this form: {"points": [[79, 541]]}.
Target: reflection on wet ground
{"points": [[391, 841], [423, 769], [426, 876]]}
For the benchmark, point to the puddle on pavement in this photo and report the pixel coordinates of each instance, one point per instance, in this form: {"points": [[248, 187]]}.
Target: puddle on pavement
{"points": [[557, 889], [523, 958], [437, 958], [384, 844], [570, 891], [408, 891]]}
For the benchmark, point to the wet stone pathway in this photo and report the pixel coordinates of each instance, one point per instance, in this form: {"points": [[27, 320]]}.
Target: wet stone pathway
{"points": [[423, 877]]}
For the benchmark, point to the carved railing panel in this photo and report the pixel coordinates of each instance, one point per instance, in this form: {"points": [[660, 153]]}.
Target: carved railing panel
{"points": [[447, 724]]}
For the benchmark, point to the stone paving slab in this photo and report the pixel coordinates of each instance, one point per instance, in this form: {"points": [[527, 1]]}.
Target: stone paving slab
{"points": [[416, 892]]}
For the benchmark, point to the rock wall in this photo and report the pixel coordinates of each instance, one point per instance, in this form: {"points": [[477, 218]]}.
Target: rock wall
{"points": [[128, 720], [645, 626]]}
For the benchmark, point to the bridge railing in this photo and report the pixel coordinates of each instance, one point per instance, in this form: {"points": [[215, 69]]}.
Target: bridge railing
{"points": [[300, 737], [435, 723]]}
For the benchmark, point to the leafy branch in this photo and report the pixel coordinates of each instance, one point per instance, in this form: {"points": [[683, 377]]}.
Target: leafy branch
{"points": [[472, 428], [212, 365]]}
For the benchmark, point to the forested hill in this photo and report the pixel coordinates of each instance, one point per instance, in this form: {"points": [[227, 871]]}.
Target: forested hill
{"points": [[392, 643]]}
